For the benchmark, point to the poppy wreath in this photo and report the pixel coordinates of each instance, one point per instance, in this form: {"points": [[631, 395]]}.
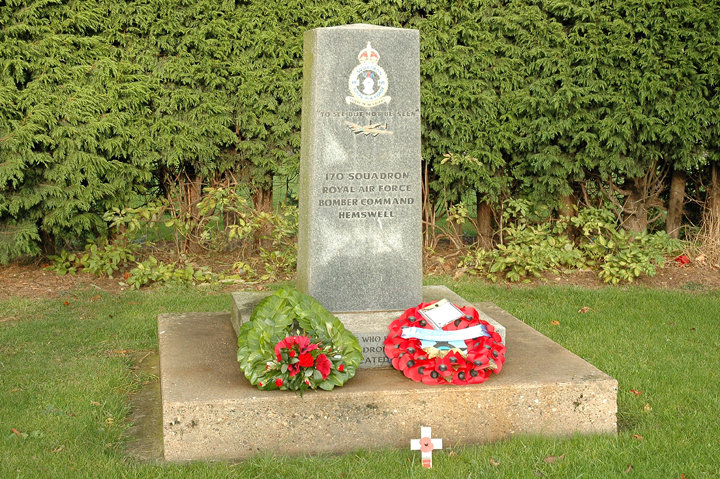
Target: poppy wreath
{"points": [[292, 342], [432, 366]]}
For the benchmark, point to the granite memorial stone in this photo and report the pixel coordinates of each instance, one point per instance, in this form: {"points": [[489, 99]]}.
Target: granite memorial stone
{"points": [[360, 239]]}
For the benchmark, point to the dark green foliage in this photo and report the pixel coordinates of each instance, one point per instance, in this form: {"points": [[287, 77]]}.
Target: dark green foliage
{"points": [[102, 101], [67, 103]]}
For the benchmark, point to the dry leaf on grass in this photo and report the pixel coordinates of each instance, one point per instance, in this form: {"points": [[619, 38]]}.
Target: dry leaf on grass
{"points": [[638, 437], [554, 459], [493, 462], [648, 408], [629, 468], [584, 309], [555, 323]]}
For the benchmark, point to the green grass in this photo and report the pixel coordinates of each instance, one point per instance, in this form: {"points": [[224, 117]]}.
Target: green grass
{"points": [[65, 383]]}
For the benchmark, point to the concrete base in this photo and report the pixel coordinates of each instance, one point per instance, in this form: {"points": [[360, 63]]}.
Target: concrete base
{"points": [[369, 327], [210, 411]]}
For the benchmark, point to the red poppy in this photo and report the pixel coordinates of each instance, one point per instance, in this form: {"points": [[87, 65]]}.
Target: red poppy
{"points": [[392, 346], [278, 382], [416, 370], [293, 369], [455, 358], [402, 347], [322, 364], [432, 377], [407, 360], [498, 358], [291, 353], [407, 353], [478, 359], [461, 376], [396, 327], [444, 367], [477, 376]]}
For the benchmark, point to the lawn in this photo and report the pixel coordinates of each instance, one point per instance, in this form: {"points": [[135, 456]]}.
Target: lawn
{"points": [[66, 377]]}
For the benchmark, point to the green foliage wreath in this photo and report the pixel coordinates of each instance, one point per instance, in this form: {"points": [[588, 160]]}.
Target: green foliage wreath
{"points": [[292, 342]]}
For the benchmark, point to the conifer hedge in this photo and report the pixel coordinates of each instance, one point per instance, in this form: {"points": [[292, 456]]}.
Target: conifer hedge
{"points": [[105, 103]]}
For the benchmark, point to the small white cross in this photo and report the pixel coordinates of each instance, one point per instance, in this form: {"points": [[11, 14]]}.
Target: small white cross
{"points": [[426, 445]]}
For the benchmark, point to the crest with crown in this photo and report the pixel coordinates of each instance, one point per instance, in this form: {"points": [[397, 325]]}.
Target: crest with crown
{"points": [[368, 82], [368, 54]]}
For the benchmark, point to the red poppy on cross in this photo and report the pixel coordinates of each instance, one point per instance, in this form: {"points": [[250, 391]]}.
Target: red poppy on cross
{"points": [[426, 445]]}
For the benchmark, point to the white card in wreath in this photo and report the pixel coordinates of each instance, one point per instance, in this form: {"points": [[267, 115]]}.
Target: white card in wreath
{"points": [[441, 313]]}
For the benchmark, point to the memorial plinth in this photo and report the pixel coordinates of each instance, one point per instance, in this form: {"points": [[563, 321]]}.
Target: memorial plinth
{"points": [[211, 412]]}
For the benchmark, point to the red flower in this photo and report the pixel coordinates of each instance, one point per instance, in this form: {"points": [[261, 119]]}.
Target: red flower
{"points": [[478, 359], [309, 348], [278, 382], [498, 359], [301, 341], [416, 371], [306, 360], [286, 343], [443, 366], [477, 376], [461, 376], [392, 346], [432, 377], [396, 327], [456, 359], [406, 361], [682, 260], [322, 364], [293, 369], [341, 368]]}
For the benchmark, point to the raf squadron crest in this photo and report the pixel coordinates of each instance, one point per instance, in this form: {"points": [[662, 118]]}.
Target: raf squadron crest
{"points": [[368, 82]]}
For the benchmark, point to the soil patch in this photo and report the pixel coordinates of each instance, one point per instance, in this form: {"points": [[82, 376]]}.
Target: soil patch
{"points": [[32, 280]]}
